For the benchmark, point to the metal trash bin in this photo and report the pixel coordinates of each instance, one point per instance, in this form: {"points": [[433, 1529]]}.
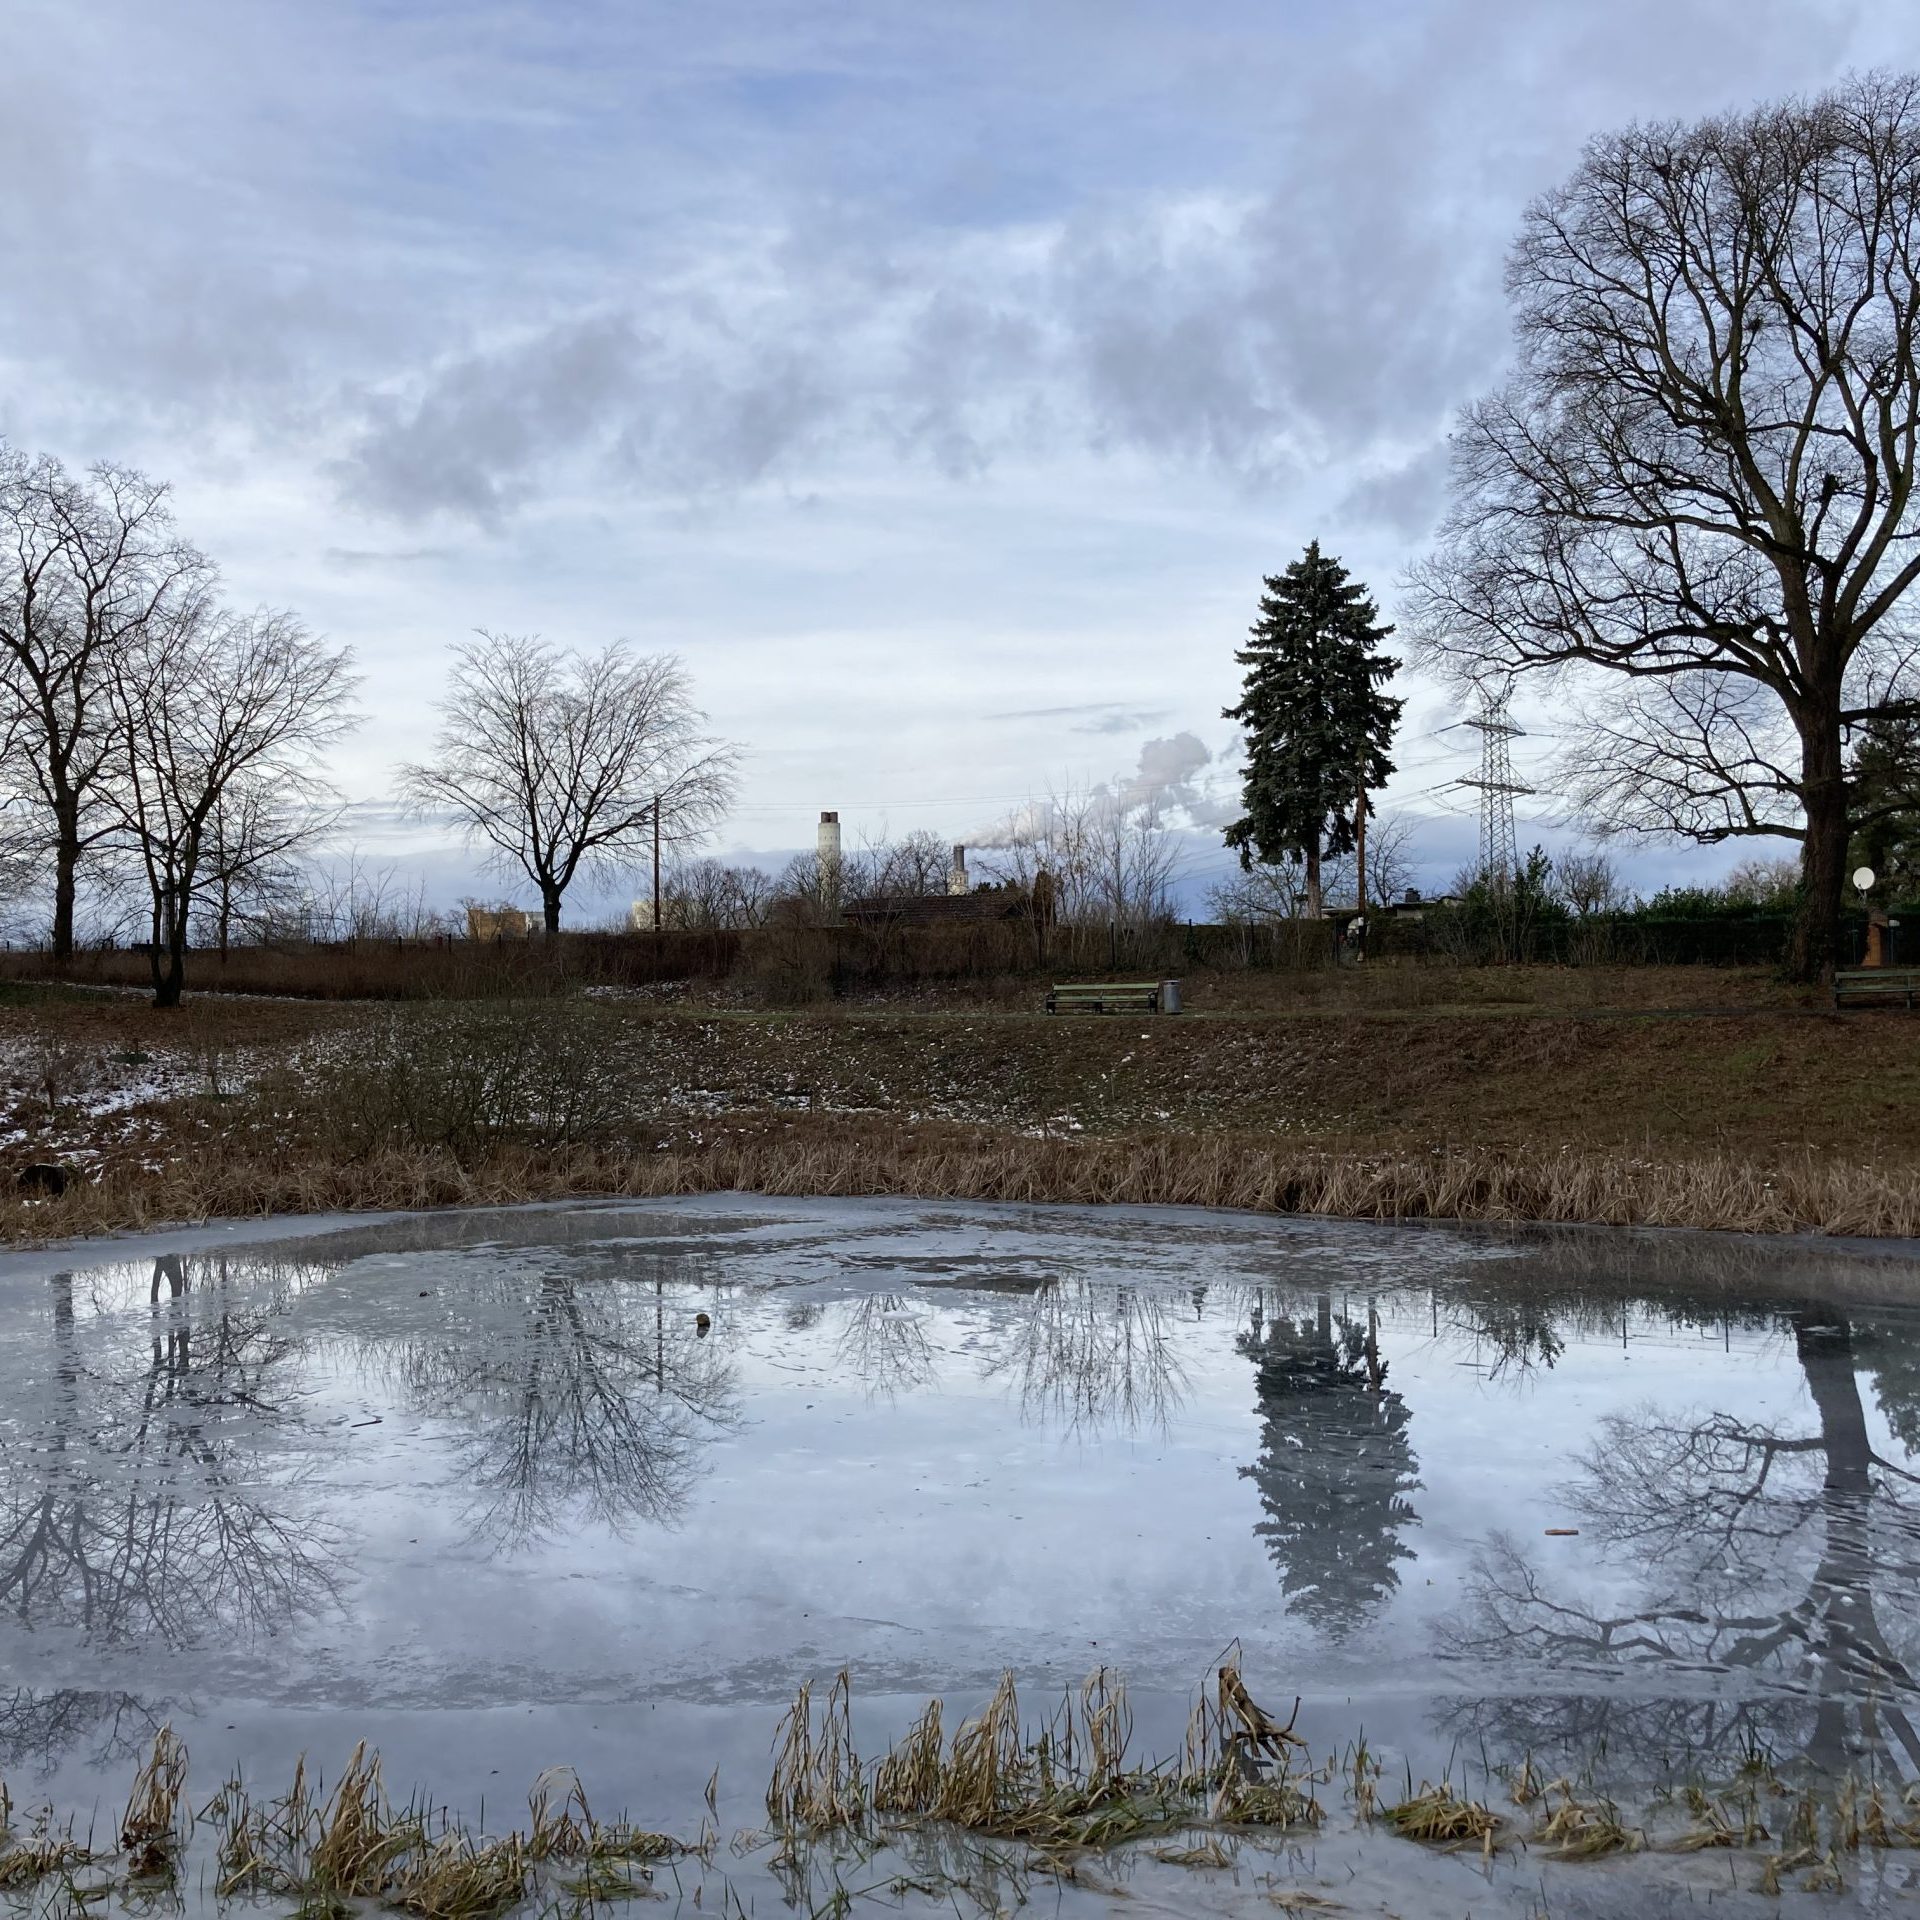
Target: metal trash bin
{"points": [[1169, 996]]}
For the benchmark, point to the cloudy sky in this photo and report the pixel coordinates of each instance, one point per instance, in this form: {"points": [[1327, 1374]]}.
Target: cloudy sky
{"points": [[938, 380]]}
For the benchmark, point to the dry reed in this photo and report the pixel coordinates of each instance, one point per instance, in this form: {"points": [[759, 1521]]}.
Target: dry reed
{"points": [[236, 1178], [1061, 1787], [1053, 1791], [152, 1830], [1583, 1830], [44, 1851], [1440, 1817], [817, 1782]]}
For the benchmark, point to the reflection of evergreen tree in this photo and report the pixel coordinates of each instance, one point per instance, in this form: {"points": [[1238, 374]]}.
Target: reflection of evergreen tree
{"points": [[1335, 1465], [1890, 1346]]}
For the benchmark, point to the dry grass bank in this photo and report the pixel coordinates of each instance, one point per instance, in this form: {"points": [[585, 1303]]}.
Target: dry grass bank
{"points": [[1799, 1194], [1768, 1120]]}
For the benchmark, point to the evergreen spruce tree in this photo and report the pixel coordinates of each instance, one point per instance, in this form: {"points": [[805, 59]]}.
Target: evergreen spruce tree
{"points": [[1884, 779], [1318, 724]]}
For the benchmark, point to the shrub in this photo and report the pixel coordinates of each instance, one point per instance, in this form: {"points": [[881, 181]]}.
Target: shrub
{"points": [[543, 1073]]}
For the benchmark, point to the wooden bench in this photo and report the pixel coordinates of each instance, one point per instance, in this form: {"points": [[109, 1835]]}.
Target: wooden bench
{"points": [[1106, 996], [1877, 987]]}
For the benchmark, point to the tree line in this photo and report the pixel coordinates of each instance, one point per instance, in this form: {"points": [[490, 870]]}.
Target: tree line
{"points": [[151, 735], [168, 752]]}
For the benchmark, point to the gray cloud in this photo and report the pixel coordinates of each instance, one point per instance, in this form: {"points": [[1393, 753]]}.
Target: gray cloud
{"points": [[1092, 716], [1405, 498], [479, 432], [358, 559], [468, 270]]}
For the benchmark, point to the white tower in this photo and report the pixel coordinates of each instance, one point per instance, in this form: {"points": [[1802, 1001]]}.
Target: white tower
{"points": [[829, 854]]}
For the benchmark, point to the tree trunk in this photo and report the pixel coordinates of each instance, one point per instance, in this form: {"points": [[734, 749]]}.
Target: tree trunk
{"points": [[1815, 949], [1316, 907], [1844, 1640], [167, 985], [170, 937], [550, 908], [66, 866]]}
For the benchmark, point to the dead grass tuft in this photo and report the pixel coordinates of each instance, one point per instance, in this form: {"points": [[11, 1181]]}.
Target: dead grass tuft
{"points": [[1060, 1787], [817, 1784], [44, 1851], [1440, 1817], [1583, 1829], [152, 1830]]}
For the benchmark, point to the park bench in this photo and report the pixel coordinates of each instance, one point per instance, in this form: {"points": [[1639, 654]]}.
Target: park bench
{"points": [[1877, 987], [1106, 996]]}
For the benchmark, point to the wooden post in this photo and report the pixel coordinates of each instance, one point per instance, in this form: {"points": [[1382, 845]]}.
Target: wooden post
{"points": [[1879, 937]]}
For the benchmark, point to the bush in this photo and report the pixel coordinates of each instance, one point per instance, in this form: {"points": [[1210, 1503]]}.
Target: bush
{"points": [[540, 1073]]}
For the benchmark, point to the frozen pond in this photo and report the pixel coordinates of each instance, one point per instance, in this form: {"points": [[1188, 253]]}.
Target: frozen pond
{"points": [[484, 1491]]}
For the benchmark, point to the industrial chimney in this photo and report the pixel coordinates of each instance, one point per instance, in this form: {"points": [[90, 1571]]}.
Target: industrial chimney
{"points": [[829, 854], [957, 878]]}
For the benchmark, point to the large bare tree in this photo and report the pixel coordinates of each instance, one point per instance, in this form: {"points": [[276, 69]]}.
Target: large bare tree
{"points": [[559, 760], [1697, 489], [88, 566], [211, 710]]}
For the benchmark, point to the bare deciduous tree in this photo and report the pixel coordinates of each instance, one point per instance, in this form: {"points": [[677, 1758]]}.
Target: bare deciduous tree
{"points": [[352, 899], [1391, 866], [1263, 893], [1111, 859], [88, 568], [557, 760], [917, 863], [1588, 882], [255, 857], [1699, 486], [214, 705], [709, 894]]}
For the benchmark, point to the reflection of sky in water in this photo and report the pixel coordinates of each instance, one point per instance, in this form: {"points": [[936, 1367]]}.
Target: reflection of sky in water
{"points": [[488, 1465]]}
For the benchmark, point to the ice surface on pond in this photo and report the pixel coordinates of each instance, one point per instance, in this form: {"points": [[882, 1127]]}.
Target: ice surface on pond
{"points": [[482, 1489]]}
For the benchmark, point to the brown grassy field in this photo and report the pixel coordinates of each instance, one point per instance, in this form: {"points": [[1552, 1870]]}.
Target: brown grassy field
{"points": [[1513, 1095]]}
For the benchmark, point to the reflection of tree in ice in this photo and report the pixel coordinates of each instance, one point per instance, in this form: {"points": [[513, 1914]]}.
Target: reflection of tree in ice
{"points": [[1084, 1353], [134, 1505], [1335, 1464], [578, 1397], [883, 1343], [1512, 1334], [1788, 1555], [35, 1725]]}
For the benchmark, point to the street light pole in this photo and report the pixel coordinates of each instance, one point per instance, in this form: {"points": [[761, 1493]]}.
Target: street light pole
{"points": [[656, 888]]}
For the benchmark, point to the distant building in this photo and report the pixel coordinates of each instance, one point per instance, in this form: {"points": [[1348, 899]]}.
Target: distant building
{"points": [[1008, 902], [1412, 905]]}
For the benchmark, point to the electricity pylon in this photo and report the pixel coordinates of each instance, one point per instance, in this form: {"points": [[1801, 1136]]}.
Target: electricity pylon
{"points": [[1499, 850]]}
